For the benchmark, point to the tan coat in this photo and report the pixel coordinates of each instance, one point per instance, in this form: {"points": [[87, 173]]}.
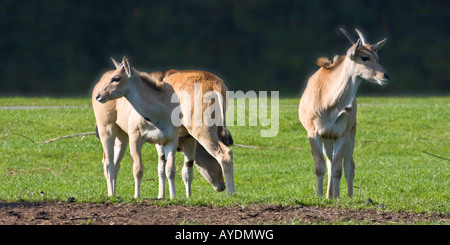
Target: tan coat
{"points": [[132, 126], [327, 110], [214, 138], [151, 99]]}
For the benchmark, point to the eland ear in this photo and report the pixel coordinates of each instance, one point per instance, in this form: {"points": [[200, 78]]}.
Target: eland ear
{"points": [[116, 64], [378, 45], [353, 49], [127, 67]]}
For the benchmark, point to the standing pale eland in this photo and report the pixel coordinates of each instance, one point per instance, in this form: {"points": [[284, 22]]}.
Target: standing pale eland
{"points": [[131, 126], [150, 98], [327, 109], [134, 114]]}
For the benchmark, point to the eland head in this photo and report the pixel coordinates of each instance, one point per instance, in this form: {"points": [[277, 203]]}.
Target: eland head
{"points": [[366, 62], [118, 83]]}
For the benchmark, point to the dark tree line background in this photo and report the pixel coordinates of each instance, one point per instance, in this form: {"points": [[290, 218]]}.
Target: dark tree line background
{"points": [[61, 48]]}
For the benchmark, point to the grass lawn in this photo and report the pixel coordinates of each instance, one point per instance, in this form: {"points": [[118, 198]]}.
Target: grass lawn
{"points": [[401, 155]]}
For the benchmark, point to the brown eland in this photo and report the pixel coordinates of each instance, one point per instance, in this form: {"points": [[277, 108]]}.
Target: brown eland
{"points": [[327, 109], [203, 103], [128, 120]]}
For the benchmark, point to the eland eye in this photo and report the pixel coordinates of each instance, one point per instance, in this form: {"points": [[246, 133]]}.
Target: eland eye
{"points": [[115, 79], [365, 58]]}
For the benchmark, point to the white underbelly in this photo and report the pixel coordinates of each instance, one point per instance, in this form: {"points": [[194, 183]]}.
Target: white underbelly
{"points": [[332, 126], [154, 135], [154, 132]]}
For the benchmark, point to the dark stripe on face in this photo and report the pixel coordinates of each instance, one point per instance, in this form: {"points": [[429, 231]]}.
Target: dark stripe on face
{"points": [[367, 51]]}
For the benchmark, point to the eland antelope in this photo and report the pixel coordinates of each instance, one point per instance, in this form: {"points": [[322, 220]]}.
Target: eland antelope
{"points": [[130, 124], [191, 88], [327, 109], [124, 118], [151, 99]]}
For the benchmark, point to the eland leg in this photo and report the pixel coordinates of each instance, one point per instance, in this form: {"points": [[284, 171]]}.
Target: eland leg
{"points": [[169, 152], [334, 151], [136, 144], [319, 162], [107, 136], [349, 164], [188, 145], [161, 171]]}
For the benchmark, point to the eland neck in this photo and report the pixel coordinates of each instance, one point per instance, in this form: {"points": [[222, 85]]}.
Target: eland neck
{"points": [[341, 86], [148, 100]]}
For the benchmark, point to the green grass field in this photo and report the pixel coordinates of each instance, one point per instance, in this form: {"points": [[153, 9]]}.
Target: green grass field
{"points": [[401, 155]]}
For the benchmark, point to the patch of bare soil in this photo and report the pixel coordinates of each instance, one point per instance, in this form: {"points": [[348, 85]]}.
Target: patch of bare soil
{"points": [[147, 213]]}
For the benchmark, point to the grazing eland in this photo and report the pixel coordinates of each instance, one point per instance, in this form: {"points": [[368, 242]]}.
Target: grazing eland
{"points": [[202, 94], [126, 124], [327, 109]]}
